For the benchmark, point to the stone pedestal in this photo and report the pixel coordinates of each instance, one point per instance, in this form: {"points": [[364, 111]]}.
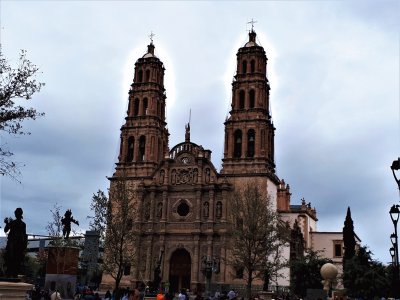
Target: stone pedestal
{"points": [[61, 271], [14, 290], [265, 295]]}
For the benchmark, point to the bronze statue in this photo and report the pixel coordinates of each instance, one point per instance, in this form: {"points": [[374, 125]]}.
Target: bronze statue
{"points": [[66, 222], [17, 242]]}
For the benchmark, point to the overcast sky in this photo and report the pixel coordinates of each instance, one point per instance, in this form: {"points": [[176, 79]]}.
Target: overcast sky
{"points": [[333, 67]]}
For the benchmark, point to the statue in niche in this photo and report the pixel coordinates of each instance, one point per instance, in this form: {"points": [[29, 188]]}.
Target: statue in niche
{"points": [[147, 211], [195, 175], [205, 209], [162, 175], [219, 210], [207, 175], [17, 242], [159, 210], [173, 177]]}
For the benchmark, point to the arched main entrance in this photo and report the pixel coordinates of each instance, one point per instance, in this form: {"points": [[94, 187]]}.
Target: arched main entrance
{"points": [[179, 270]]}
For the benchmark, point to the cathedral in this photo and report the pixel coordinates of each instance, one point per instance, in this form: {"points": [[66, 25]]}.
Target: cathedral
{"points": [[182, 197]]}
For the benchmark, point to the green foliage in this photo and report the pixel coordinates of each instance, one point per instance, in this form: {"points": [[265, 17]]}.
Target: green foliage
{"points": [[305, 273], [15, 84], [256, 235], [120, 243], [100, 208], [365, 277]]}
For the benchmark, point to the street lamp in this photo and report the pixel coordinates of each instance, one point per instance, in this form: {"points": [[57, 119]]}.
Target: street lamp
{"points": [[209, 265], [394, 250], [395, 167]]}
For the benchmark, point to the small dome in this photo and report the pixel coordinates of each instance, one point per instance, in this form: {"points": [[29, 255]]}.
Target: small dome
{"points": [[148, 55], [250, 44], [252, 39], [150, 51]]}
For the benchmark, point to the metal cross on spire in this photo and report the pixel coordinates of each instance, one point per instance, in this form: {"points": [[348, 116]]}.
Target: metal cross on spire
{"points": [[151, 36], [252, 24]]}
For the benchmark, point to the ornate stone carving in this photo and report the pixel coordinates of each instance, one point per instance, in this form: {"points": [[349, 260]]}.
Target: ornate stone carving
{"points": [[184, 176]]}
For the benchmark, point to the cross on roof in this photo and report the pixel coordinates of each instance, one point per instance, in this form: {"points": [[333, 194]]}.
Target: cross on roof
{"points": [[252, 24], [151, 36]]}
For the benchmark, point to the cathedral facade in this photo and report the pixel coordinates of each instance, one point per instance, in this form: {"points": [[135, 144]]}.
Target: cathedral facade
{"points": [[183, 200]]}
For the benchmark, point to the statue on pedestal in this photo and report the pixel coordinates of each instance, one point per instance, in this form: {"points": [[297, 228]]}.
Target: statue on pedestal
{"points": [[66, 222], [17, 242]]}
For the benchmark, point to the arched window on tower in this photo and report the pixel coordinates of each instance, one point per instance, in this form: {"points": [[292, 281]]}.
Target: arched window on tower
{"points": [[244, 66], [145, 105], [147, 77], [241, 99], [250, 142], [136, 107], [251, 98], [140, 76], [131, 145], [252, 66], [237, 147], [142, 147]]}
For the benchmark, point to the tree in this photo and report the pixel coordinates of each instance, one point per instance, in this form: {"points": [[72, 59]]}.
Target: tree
{"points": [[365, 277], [15, 84], [120, 240], [257, 235], [348, 237], [100, 208], [305, 273]]}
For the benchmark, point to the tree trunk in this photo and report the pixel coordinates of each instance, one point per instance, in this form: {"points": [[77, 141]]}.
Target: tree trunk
{"points": [[248, 285]]}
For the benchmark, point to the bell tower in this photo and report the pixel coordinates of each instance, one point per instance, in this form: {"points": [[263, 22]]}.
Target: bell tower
{"points": [[249, 131], [144, 136]]}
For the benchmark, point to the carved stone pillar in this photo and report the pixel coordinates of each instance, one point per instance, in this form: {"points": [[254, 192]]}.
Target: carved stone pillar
{"points": [[164, 208], [149, 251], [224, 206], [212, 205], [198, 204], [196, 259], [152, 206], [222, 260]]}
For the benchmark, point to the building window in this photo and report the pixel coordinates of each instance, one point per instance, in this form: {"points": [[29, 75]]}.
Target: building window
{"points": [[129, 224], [140, 76], [244, 66], [241, 99], [136, 107], [127, 269], [252, 98], [250, 142], [131, 145], [239, 272], [237, 148], [337, 249], [147, 78], [142, 147], [252, 66], [145, 105], [183, 209]]}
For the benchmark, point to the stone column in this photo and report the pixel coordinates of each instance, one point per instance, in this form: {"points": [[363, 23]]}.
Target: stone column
{"points": [[164, 210], [196, 259], [212, 208], [152, 206], [198, 204], [222, 260]]}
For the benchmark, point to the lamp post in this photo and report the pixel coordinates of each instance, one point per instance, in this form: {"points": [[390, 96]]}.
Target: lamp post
{"points": [[209, 265], [395, 167], [394, 250]]}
